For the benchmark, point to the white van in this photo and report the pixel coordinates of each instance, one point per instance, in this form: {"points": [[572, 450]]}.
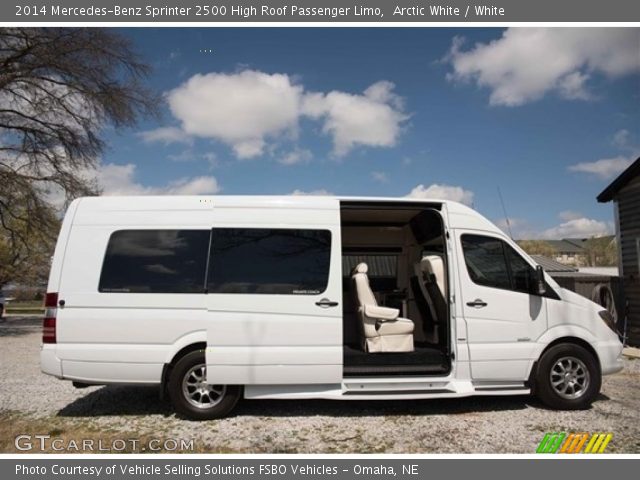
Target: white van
{"points": [[217, 298]]}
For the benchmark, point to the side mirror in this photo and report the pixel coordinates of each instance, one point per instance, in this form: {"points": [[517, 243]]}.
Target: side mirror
{"points": [[540, 285]]}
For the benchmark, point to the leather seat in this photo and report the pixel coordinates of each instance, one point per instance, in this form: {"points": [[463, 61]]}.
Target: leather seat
{"points": [[432, 286], [384, 330], [433, 267]]}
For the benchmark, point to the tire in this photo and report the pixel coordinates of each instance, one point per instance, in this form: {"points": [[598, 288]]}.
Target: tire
{"points": [[568, 377], [194, 399]]}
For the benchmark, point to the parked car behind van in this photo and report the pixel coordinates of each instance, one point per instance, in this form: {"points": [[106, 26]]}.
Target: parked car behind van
{"points": [[220, 298]]}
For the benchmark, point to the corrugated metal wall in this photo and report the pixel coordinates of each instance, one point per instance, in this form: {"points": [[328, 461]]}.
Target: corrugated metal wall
{"points": [[628, 200]]}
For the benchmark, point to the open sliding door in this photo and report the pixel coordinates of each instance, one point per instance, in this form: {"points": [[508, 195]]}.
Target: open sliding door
{"points": [[275, 293]]}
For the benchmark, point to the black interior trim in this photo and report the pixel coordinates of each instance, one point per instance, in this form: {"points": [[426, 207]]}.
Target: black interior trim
{"points": [[373, 224], [372, 250], [382, 205]]}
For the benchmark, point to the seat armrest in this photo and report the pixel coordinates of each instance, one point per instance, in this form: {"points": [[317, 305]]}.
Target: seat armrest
{"points": [[381, 313]]}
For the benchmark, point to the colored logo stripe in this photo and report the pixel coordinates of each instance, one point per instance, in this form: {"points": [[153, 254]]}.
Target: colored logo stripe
{"points": [[550, 442], [574, 443], [598, 443], [561, 442]]}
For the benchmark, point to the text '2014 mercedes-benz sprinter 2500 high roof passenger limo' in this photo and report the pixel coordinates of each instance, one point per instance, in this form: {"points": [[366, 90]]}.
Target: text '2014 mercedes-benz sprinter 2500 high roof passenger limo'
{"points": [[217, 298]]}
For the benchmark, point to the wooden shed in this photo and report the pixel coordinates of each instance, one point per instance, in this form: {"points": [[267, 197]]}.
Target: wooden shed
{"points": [[625, 193]]}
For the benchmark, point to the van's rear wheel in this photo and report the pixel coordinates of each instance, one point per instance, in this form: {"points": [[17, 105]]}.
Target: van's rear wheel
{"points": [[193, 397], [568, 377]]}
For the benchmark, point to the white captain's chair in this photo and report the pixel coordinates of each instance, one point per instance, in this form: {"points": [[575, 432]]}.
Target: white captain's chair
{"points": [[384, 329], [430, 271], [433, 266]]}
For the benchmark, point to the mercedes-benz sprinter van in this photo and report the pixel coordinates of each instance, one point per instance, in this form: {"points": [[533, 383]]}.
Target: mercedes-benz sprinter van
{"points": [[214, 298]]}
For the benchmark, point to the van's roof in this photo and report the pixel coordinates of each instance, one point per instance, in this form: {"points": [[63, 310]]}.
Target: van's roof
{"points": [[143, 201], [459, 215]]}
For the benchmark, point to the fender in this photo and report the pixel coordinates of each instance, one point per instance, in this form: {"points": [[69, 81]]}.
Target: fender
{"points": [[561, 331], [199, 336]]}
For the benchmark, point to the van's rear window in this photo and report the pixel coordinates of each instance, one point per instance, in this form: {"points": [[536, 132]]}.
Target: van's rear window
{"points": [[269, 261], [155, 261]]}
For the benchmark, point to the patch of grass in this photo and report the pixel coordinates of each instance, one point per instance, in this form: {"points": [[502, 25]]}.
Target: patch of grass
{"points": [[24, 307], [67, 432]]}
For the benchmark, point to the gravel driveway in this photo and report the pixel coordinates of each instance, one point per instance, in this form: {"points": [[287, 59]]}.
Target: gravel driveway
{"points": [[33, 403]]}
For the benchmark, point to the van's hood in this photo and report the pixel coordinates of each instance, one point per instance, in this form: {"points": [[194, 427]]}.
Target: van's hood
{"points": [[578, 300]]}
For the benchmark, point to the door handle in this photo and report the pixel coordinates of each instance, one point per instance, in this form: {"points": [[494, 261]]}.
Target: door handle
{"points": [[326, 303], [477, 303]]}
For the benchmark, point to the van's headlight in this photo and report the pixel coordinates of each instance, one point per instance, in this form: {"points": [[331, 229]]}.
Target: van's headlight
{"points": [[608, 319]]}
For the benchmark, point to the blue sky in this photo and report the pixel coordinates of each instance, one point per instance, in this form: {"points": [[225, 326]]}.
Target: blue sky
{"points": [[550, 116]]}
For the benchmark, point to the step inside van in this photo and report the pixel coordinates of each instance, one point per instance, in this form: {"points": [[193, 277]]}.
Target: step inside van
{"points": [[217, 298]]}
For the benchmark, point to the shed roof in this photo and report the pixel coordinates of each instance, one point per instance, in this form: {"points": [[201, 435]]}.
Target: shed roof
{"points": [[551, 266], [619, 183], [584, 242], [564, 246]]}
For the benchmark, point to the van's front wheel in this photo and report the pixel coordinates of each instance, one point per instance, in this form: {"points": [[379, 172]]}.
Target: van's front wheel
{"points": [[193, 397], [568, 377]]}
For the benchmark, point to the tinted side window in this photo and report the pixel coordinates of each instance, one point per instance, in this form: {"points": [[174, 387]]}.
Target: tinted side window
{"points": [[485, 261], [155, 261], [269, 261], [521, 271]]}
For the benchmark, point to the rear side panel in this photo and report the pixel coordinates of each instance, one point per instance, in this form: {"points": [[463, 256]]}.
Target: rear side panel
{"points": [[124, 337], [50, 362], [61, 246]]}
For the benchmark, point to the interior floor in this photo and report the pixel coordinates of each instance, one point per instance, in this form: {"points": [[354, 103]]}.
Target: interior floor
{"points": [[424, 360]]}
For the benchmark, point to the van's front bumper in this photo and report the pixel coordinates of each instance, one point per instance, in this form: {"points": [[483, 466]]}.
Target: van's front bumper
{"points": [[49, 362], [610, 354]]}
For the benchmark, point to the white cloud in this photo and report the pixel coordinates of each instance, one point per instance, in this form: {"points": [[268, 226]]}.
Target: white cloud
{"points": [[250, 111], [443, 192], [573, 225], [319, 192], [120, 180], [578, 228], [607, 168], [568, 215], [203, 185], [604, 168], [380, 177], [527, 63], [372, 119], [241, 109], [621, 139], [165, 135], [296, 156]]}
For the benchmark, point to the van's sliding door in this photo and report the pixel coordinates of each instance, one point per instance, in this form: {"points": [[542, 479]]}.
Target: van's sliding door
{"points": [[275, 294]]}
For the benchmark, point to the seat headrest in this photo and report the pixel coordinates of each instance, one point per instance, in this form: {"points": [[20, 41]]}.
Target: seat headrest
{"points": [[360, 268], [432, 264]]}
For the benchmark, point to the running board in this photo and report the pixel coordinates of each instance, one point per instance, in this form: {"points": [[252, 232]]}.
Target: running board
{"points": [[402, 386], [494, 386], [399, 388]]}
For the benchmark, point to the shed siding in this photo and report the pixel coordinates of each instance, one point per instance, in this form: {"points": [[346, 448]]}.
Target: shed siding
{"points": [[628, 200]]}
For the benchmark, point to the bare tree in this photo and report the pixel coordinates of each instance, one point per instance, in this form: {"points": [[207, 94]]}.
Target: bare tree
{"points": [[59, 88]]}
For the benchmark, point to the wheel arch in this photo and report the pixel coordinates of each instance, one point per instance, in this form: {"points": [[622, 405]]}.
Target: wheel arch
{"points": [[557, 341], [168, 366]]}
